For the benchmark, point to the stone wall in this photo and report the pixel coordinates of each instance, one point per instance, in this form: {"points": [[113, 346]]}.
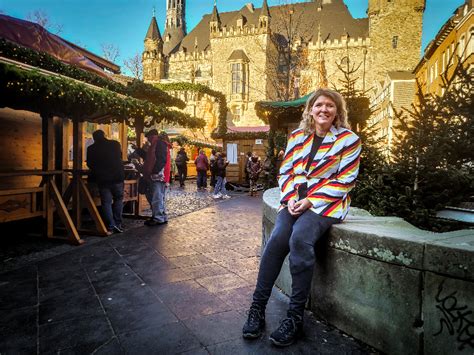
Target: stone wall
{"points": [[399, 21], [393, 286]]}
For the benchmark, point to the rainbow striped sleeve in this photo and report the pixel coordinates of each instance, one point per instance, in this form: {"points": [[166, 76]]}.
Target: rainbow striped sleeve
{"points": [[339, 186], [286, 176]]}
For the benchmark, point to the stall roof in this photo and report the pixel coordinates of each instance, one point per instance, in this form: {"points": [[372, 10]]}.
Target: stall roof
{"points": [[293, 103], [34, 36]]}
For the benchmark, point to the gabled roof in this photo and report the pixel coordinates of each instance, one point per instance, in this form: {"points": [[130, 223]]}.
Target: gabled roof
{"points": [[401, 75], [238, 54], [334, 20], [153, 31]]}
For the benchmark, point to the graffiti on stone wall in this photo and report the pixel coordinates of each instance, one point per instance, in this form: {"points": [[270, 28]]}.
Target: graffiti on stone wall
{"points": [[456, 318]]}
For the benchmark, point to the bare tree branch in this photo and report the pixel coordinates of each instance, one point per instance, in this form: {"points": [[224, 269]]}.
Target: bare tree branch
{"points": [[134, 65], [110, 51], [42, 18]]}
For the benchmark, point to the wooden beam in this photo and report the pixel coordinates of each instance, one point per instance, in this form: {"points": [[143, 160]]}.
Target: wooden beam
{"points": [[77, 131], [47, 125], [94, 212], [64, 214]]}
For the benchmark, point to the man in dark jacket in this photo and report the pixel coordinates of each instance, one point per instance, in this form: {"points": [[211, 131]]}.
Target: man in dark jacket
{"points": [[156, 170], [182, 165], [104, 158]]}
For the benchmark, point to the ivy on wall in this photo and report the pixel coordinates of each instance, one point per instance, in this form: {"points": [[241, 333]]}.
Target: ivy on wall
{"points": [[221, 130], [54, 95]]}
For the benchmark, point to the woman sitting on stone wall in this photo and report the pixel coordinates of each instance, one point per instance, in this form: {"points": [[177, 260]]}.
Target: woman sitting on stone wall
{"points": [[319, 168]]}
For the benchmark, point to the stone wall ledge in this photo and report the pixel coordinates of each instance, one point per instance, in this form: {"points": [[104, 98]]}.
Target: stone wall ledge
{"points": [[395, 241], [393, 286]]}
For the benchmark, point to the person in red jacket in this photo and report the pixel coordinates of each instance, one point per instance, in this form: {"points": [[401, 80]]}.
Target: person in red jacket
{"points": [[156, 170], [202, 166]]}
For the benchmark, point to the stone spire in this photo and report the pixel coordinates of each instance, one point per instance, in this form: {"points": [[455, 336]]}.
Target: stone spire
{"points": [[152, 56], [264, 18], [215, 22], [175, 26], [153, 32]]}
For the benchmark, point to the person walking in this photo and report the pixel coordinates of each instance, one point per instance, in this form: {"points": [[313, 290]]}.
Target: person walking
{"points": [[319, 168], [220, 190], [255, 168], [182, 165], [202, 165], [156, 169], [104, 158]]}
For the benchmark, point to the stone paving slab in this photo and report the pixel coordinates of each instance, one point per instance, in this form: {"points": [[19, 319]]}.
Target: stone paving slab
{"points": [[180, 288]]}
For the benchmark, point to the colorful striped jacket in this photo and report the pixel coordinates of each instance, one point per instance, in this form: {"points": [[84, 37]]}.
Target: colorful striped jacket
{"points": [[331, 175]]}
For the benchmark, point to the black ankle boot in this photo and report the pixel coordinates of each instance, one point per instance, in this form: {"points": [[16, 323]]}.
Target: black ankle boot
{"points": [[255, 323], [290, 329]]}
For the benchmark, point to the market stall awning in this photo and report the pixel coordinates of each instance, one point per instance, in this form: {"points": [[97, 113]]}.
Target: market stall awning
{"points": [[32, 35], [293, 103], [269, 111]]}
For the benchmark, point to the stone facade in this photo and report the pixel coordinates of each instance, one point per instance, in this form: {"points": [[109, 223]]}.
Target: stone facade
{"points": [[242, 53]]}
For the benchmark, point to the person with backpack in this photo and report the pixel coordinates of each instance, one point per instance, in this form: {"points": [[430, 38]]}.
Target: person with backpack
{"points": [[202, 165], [220, 190], [182, 165], [254, 168]]}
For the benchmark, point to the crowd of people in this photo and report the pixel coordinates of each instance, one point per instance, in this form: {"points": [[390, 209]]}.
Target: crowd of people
{"points": [[157, 169]]}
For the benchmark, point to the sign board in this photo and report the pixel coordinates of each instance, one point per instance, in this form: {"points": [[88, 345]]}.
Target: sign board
{"points": [[259, 141]]}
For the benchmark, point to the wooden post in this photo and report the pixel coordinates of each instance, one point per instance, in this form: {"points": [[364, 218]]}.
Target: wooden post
{"points": [[77, 131], [47, 127], [124, 140]]}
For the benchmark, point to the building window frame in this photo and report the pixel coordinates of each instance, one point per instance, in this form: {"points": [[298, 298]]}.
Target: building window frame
{"points": [[394, 42]]}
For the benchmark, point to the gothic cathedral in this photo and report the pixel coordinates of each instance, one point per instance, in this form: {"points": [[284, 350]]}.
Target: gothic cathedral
{"points": [[281, 52]]}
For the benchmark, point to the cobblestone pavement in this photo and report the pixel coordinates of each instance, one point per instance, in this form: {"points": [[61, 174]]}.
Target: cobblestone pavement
{"points": [[179, 288], [19, 247]]}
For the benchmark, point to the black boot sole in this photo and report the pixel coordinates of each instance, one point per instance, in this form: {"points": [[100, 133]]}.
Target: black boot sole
{"points": [[252, 335]]}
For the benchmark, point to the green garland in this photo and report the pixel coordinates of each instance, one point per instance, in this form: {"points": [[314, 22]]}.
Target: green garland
{"points": [[233, 136], [136, 88], [139, 90], [221, 130], [50, 95], [182, 140]]}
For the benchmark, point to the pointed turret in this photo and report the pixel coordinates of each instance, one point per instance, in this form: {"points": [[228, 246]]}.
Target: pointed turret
{"points": [[215, 22], [264, 18], [153, 32], [152, 57]]}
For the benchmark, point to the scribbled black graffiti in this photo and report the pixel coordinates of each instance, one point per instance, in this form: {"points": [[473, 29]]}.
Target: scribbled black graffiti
{"points": [[456, 318]]}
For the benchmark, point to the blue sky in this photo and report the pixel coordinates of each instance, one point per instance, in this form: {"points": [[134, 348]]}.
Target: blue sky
{"points": [[124, 22]]}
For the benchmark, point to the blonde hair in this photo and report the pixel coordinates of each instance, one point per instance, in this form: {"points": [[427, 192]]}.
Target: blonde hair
{"points": [[307, 123]]}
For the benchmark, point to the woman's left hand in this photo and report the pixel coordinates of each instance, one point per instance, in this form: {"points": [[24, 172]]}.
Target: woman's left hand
{"points": [[301, 206]]}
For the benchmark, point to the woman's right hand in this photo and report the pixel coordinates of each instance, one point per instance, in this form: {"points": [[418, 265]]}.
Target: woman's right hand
{"points": [[291, 208]]}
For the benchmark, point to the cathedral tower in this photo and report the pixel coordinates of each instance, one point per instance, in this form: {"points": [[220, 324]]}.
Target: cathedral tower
{"points": [[395, 35], [152, 57], [175, 26]]}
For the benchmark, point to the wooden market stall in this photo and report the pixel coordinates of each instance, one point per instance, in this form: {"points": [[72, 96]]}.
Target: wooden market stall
{"points": [[47, 110], [237, 143]]}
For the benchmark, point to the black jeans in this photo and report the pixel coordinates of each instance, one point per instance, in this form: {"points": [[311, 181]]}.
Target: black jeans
{"points": [[297, 236], [182, 173]]}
